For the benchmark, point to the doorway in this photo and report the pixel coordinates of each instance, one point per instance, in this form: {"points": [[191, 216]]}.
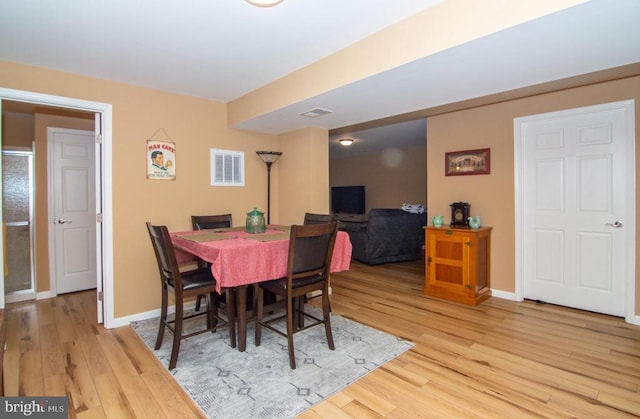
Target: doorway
{"points": [[104, 230], [575, 200]]}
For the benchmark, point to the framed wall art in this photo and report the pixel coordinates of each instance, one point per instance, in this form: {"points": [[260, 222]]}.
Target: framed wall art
{"points": [[467, 162], [161, 160]]}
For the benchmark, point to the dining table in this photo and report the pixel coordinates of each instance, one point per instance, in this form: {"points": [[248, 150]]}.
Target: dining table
{"points": [[239, 259]]}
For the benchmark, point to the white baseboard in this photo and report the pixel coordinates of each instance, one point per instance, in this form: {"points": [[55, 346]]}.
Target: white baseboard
{"points": [[20, 296], [512, 296], [504, 295], [126, 320], [44, 295]]}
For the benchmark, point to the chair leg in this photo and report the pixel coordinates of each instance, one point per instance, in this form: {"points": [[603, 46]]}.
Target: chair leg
{"points": [[326, 313], [298, 322], [198, 300], [163, 317], [177, 333], [259, 313], [290, 331]]}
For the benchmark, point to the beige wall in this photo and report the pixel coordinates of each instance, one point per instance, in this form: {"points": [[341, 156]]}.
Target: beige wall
{"points": [[391, 177], [305, 160], [17, 130], [492, 196], [195, 125]]}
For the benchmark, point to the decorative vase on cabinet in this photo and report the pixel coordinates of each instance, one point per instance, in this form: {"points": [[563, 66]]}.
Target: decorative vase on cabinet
{"points": [[457, 264]]}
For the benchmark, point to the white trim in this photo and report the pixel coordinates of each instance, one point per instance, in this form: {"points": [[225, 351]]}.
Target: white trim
{"points": [[2, 302], [504, 295], [16, 297], [630, 219], [106, 110], [18, 148], [151, 314], [44, 295]]}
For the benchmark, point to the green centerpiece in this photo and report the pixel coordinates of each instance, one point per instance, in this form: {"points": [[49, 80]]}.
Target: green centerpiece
{"points": [[255, 222]]}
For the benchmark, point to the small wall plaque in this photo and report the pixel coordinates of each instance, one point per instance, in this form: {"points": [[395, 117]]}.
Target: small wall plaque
{"points": [[161, 160], [467, 162]]}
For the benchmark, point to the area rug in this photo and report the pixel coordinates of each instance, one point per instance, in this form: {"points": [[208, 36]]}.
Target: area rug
{"points": [[258, 383]]}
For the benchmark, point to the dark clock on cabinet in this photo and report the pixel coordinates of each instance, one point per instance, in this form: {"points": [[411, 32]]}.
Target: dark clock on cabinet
{"points": [[460, 214]]}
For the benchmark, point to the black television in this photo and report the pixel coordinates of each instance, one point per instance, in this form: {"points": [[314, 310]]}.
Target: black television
{"points": [[347, 199]]}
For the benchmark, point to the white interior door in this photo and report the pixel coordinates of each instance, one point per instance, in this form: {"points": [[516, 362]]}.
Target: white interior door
{"points": [[576, 210], [72, 199]]}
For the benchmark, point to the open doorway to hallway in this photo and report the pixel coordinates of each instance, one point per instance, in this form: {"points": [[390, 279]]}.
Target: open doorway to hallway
{"points": [[96, 117]]}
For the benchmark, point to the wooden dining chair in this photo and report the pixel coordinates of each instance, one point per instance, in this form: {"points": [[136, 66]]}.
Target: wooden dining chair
{"points": [[311, 218], [308, 267], [206, 222], [185, 285]]}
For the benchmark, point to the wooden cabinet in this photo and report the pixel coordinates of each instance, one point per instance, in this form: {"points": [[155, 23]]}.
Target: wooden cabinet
{"points": [[457, 264]]}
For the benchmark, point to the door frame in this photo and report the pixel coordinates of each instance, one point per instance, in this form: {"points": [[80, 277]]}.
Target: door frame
{"points": [[630, 210], [104, 199]]}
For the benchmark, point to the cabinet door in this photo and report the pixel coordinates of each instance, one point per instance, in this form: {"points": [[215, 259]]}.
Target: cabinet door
{"points": [[449, 261]]}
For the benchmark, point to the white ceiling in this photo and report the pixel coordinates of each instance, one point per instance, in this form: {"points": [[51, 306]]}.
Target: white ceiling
{"points": [[215, 49], [223, 49]]}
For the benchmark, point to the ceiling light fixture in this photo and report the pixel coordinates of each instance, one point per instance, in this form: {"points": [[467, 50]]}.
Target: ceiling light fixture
{"points": [[346, 141], [264, 3]]}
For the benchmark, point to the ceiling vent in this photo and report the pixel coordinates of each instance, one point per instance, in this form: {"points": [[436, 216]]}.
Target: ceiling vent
{"points": [[316, 112]]}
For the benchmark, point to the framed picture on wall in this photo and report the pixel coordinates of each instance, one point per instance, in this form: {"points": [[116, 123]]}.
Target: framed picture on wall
{"points": [[161, 160], [467, 162]]}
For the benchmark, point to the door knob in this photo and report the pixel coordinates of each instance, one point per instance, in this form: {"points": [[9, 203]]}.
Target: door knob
{"points": [[62, 221], [616, 224]]}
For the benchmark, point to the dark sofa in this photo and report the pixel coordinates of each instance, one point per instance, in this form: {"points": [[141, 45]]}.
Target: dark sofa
{"points": [[387, 235]]}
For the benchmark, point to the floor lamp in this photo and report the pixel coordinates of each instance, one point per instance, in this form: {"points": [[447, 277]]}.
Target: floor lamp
{"points": [[269, 157]]}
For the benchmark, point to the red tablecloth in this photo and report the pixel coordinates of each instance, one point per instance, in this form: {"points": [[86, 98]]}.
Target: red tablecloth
{"points": [[242, 259]]}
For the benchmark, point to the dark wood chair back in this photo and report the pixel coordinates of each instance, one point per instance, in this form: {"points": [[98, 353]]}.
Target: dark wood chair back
{"points": [[184, 285], [311, 218], [165, 256], [310, 251], [207, 222], [308, 267], [204, 222]]}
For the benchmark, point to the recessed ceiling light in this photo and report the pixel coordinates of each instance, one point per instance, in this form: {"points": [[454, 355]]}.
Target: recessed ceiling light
{"points": [[264, 3], [346, 141]]}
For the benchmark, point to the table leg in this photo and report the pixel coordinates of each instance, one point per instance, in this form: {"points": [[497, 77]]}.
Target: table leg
{"points": [[242, 317]]}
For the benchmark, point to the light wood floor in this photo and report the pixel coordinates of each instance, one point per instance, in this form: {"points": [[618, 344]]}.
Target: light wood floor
{"points": [[500, 359]]}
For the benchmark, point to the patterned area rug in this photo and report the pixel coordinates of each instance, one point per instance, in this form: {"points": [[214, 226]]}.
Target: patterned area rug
{"points": [[226, 383]]}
